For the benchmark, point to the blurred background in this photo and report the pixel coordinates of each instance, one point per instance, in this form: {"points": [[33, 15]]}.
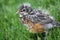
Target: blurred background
{"points": [[12, 29]]}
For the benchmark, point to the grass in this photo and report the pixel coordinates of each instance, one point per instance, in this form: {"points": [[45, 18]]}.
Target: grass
{"points": [[12, 29]]}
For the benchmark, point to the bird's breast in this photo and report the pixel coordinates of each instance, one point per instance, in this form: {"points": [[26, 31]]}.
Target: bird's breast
{"points": [[33, 27]]}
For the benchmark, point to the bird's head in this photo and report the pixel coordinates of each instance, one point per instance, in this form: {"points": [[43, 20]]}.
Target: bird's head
{"points": [[24, 9]]}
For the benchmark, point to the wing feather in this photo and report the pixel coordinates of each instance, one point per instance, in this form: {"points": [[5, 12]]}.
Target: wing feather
{"points": [[39, 18]]}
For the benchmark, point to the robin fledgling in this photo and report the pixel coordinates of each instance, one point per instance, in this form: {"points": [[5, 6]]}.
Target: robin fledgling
{"points": [[36, 21]]}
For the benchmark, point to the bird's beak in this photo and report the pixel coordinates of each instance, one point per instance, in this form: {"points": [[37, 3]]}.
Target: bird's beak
{"points": [[17, 12], [22, 13]]}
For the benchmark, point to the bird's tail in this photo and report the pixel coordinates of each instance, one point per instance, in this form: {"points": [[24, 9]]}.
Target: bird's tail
{"points": [[57, 24]]}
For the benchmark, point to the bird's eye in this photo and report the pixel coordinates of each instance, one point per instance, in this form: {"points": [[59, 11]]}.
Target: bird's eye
{"points": [[23, 9]]}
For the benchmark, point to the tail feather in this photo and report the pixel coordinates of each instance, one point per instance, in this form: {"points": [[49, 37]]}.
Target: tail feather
{"points": [[57, 24]]}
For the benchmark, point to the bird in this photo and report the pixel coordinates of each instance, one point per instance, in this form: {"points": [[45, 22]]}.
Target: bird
{"points": [[36, 21]]}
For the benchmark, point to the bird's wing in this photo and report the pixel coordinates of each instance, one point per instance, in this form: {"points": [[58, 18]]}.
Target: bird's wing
{"points": [[41, 18]]}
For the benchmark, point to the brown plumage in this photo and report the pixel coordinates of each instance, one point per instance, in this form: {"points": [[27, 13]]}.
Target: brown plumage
{"points": [[35, 20]]}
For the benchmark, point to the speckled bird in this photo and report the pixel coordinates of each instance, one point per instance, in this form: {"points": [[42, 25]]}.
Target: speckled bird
{"points": [[36, 21]]}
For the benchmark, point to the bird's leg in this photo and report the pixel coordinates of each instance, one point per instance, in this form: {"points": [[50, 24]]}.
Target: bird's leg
{"points": [[33, 36], [43, 36]]}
